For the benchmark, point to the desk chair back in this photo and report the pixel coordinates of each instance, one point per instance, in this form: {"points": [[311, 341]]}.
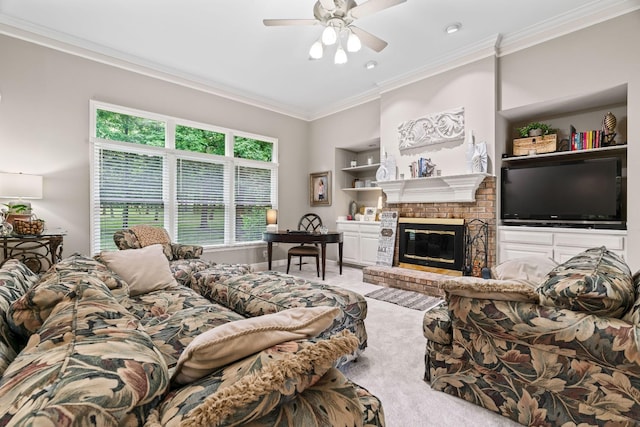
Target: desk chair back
{"points": [[309, 222]]}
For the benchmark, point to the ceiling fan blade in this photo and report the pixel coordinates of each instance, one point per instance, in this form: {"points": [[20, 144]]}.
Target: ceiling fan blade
{"points": [[328, 5], [279, 22], [368, 39], [372, 6]]}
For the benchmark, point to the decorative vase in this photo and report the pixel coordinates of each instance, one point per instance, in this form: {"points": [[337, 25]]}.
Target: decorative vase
{"points": [[469, 150], [608, 126]]}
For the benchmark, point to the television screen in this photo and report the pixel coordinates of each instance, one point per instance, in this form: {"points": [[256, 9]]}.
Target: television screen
{"points": [[584, 191]]}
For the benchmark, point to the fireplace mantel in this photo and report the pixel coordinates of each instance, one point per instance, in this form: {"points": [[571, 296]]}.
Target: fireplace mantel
{"points": [[435, 189]]}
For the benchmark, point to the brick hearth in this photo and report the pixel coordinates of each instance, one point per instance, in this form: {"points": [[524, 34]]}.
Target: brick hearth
{"points": [[483, 208]]}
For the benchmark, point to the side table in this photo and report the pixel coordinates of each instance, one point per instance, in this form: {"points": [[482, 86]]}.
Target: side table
{"points": [[36, 252]]}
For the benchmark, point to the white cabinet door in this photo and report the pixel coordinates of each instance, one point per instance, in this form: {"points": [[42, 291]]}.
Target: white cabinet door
{"points": [[368, 249], [350, 247]]}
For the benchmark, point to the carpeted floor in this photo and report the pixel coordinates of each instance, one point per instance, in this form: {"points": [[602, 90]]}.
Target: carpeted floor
{"points": [[403, 298], [392, 366]]}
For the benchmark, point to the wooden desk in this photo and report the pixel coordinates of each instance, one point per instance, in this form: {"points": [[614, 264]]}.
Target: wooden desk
{"points": [[36, 252], [322, 239]]}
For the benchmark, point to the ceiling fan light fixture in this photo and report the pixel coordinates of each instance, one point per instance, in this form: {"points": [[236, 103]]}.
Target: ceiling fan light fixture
{"points": [[329, 36], [453, 28], [341, 56], [316, 51], [353, 42]]}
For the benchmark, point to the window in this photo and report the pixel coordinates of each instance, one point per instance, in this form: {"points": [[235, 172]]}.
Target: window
{"points": [[206, 185]]}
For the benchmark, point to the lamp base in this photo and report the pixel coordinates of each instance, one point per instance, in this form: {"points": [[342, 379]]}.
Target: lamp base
{"points": [[272, 227]]}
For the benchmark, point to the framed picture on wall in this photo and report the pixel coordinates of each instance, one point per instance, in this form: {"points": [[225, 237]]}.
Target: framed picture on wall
{"points": [[320, 188]]}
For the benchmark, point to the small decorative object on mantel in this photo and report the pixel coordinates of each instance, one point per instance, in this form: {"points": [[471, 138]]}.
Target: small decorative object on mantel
{"points": [[422, 168], [608, 127], [387, 169], [434, 129], [479, 159], [476, 154]]}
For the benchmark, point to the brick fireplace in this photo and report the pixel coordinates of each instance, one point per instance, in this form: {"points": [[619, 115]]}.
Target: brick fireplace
{"points": [[483, 207]]}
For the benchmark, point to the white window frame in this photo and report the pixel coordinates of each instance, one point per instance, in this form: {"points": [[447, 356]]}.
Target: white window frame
{"points": [[171, 154]]}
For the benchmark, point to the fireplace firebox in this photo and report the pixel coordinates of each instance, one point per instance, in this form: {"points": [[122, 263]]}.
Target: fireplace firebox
{"points": [[432, 244]]}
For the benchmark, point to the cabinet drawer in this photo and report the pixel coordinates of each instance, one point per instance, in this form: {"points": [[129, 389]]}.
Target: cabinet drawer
{"points": [[528, 237], [511, 251], [349, 226], [587, 241]]}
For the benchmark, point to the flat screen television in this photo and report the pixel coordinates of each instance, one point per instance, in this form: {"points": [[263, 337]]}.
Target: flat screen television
{"points": [[580, 193]]}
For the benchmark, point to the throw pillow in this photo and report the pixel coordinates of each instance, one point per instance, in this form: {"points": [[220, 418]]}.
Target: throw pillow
{"points": [[257, 393], [633, 315], [502, 290], [148, 235], [235, 340], [533, 269], [145, 270], [596, 281]]}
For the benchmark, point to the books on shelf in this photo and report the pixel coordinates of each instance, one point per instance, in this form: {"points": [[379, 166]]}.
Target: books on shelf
{"points": [[585, 140]]}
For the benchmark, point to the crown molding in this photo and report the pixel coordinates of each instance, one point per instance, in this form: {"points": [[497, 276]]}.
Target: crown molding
{"points": [[590, 14], [66, 43]]}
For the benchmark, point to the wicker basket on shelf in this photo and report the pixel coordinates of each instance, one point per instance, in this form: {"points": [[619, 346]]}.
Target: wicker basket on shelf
{"points": [[534, 145], [30, 227]]}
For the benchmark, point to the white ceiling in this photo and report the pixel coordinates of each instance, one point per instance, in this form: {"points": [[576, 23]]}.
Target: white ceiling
{"points": [[222, 44]]}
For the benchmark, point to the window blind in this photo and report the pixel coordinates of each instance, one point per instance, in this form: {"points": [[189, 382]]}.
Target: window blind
{"points": [[202, 205], [254, 194], [130, 190]]}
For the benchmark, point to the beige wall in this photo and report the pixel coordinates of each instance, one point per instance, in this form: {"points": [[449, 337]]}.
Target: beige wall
{"points": [[470, 86], [346, 129], [44, 129]]}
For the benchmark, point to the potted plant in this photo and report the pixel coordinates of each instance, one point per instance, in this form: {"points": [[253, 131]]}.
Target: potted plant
{"points": [[535, 129], [17, 211]]}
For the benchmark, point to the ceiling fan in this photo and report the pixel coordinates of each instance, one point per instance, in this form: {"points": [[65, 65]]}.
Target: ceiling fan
{"points": [[337, 16]]}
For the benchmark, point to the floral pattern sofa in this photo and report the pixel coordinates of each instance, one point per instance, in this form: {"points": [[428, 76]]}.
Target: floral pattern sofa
{"points": [[564, 351], [77, 347]]}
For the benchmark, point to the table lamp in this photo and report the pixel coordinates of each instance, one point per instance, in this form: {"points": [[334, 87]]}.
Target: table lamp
{"points": [[20, 186], [272, 220]]}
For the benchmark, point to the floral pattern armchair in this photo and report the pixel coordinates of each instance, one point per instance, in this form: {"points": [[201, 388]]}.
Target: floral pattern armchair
{"points": [[570, 358]]}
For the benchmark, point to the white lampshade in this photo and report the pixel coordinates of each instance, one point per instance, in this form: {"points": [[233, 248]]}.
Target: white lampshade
{"points": [[353, 42], [20, 186], [316, 50], [329, 36], [341, 56], [272, 216], [272, 220]]}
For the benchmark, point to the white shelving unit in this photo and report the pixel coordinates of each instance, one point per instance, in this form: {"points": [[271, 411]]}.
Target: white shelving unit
{"points": [[584, 112]]}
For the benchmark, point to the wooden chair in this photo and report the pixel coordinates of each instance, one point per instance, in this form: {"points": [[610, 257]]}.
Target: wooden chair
{"points": [[309, 222]]}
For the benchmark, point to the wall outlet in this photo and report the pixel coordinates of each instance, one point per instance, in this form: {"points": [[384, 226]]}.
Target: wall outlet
{"points": [[264, 254]]}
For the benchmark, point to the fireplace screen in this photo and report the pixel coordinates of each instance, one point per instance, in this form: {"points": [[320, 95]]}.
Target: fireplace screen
{"points": [[432, 243]]}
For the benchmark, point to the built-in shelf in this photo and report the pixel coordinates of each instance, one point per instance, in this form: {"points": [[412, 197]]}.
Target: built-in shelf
{"points": [[435, 189], [362, 189], [596, 152], [362, 168]]}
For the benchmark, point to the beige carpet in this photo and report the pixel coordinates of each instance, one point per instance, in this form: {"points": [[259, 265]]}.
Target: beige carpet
{"points": [[392, 366]]}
